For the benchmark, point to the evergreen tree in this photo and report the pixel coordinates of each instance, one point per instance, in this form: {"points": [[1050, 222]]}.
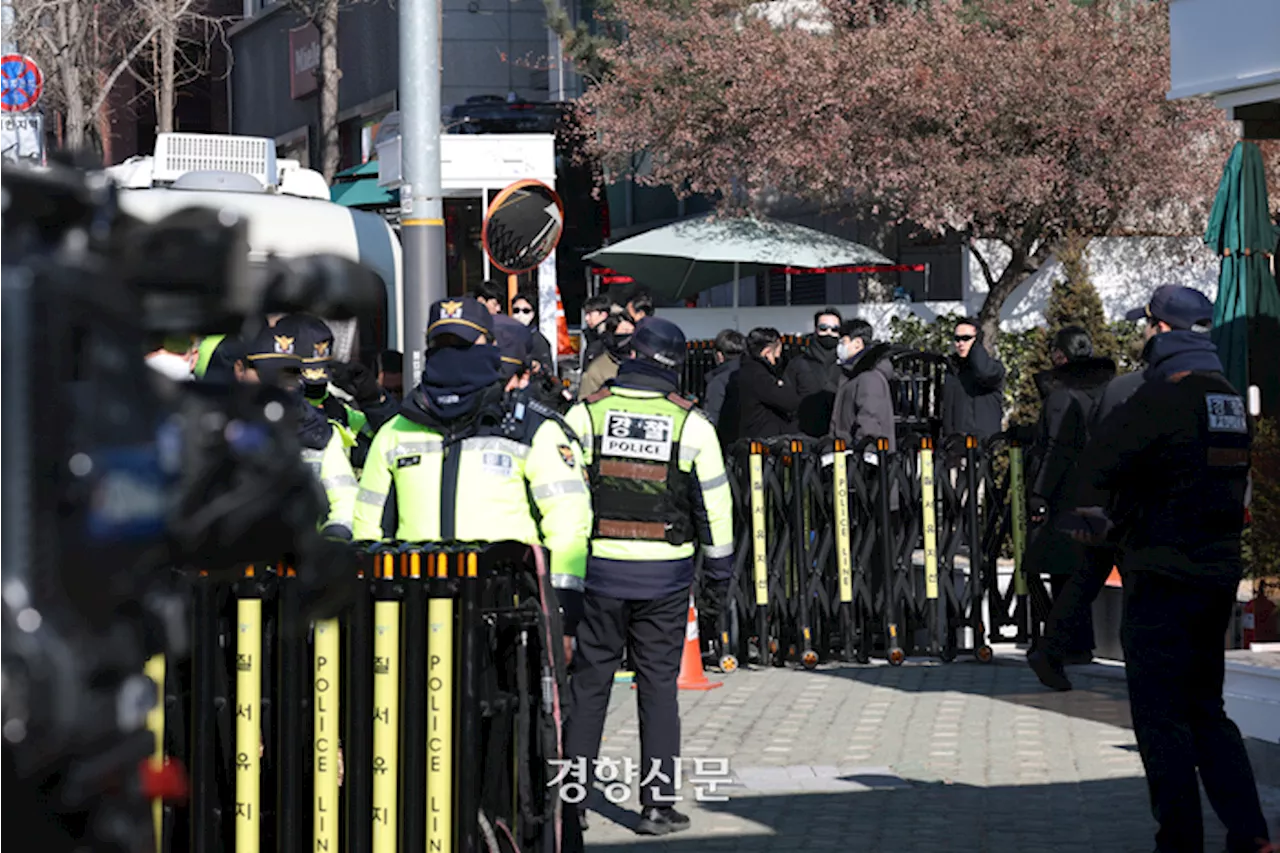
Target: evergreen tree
{"points": [[1073, 301]]}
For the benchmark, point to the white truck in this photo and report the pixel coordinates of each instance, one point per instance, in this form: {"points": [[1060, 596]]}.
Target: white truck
{"points": [[287, 209]]}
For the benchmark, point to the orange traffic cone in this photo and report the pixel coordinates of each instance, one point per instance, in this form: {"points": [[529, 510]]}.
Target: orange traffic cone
{"points": [[565, 344], [691, 675], [1113, 579]]}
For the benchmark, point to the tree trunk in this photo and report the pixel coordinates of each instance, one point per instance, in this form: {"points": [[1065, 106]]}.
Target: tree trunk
{"points": [[67, 20], [998, 291], [168, 37], [330, 76]]}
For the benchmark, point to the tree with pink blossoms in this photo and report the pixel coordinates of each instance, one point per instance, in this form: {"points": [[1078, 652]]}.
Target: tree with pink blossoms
{"points": [[1019, 122]]}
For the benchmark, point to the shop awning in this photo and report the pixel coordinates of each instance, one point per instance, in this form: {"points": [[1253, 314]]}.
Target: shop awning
{"points": [[362, 193], [368, 169]]}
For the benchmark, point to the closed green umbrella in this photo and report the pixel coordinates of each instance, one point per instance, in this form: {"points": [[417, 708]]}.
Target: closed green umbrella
{"points": [[1246, 315]]}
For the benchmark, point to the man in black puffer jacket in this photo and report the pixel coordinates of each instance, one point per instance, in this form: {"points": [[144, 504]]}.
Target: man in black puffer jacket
{"points": [[815, 375], [973, 392]]}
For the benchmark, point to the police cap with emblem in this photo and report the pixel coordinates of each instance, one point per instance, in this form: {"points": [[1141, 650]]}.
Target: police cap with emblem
{"points": [[659, 341], [1180, 307], [515, 342], [313, 340], [272, 353], [462, 317]]}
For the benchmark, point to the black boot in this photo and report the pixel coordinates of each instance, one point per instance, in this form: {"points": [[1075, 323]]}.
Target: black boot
{"points": [[1049, 671], [661, 821]]}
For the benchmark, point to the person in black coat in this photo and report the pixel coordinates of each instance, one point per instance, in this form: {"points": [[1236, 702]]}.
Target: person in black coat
{"points": [[815, 375], [730, 344], [595, 311], [973, 391], [767, 401], [1073, 601], [1070, 394], [524, 310]]}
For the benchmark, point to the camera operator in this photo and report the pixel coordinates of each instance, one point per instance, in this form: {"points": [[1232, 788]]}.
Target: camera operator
{"points": [[271, 359], [373, 407], [1174, 460]]}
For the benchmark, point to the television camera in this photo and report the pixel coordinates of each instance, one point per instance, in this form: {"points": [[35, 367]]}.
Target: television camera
{"points": [[119, 482]]}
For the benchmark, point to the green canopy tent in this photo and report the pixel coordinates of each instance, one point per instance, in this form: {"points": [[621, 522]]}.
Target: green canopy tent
{"points": [[1246, 315]]}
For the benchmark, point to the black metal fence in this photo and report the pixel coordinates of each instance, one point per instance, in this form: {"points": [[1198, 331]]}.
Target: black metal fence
{"points": [[424, 717], [848, 553]]}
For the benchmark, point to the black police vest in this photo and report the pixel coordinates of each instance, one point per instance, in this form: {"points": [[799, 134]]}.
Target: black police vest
{"points": [[1195, 488], [637, 488]]}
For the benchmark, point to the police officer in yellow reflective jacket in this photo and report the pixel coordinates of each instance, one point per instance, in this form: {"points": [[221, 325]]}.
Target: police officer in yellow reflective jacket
{"points": [[659, 490], [373, 407], [272, 359], [455, 464]]}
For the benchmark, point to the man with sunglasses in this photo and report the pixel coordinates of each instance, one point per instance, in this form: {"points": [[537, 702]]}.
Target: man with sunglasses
{"points": [[814, 373], [973, 391]]}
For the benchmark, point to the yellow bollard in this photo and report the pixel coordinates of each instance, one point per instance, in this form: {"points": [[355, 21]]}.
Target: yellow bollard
{"points": [[154, 670], [440, 714], [325, 700], [248, 816]]}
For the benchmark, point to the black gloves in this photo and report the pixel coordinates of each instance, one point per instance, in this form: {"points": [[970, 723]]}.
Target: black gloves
{"points": [[357, 380], [715, 597], [1037, 509]]}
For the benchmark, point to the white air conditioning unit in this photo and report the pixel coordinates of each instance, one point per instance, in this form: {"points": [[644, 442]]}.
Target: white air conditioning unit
{"points": [[179, 153]]}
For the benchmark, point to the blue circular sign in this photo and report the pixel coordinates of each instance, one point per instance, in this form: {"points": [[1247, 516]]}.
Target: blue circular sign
{"points": [[21, 83]]}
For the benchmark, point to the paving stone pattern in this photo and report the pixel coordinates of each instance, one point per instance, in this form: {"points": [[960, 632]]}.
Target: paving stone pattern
{"points": [[961, 756]]}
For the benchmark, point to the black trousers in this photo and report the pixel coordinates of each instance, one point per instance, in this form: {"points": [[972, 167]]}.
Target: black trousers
{"points": [[653, 631], [1173, 645], [1069, 627]]}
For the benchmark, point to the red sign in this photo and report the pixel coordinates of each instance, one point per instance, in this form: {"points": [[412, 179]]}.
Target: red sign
{"points": [[304, 61], [21, 83]]}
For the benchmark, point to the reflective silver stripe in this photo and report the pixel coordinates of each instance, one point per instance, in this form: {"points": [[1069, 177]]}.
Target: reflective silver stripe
{"points": [[369, 496], [713, 552], [715, 482], [564, 487], [341, 481], [572, 582], [312, 455], [411, 448], [505, 445], [689, 454]]}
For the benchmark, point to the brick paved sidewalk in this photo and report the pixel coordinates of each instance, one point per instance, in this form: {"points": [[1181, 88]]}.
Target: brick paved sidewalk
{"points": [[964, 756]]}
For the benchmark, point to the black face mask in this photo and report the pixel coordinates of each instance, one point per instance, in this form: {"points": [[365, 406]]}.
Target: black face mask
{"points": [[826, 341], [619, 344]]}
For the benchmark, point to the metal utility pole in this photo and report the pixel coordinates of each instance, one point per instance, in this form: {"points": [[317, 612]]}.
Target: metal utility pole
{"points": [[421, 196], [7, 21]]}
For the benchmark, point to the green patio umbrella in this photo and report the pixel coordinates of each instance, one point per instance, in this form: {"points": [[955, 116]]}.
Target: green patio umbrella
{"points": [[1246, 315]]}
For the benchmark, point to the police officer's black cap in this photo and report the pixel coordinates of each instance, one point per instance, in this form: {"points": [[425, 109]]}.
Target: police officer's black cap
{"points": [[313, 340], [270, 352], [462, 317], [515, 342], [659, 341], [1180, 307]]}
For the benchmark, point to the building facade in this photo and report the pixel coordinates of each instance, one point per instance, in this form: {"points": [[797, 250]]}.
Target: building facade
{"points": [[489, 48], [1228, 50]]}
